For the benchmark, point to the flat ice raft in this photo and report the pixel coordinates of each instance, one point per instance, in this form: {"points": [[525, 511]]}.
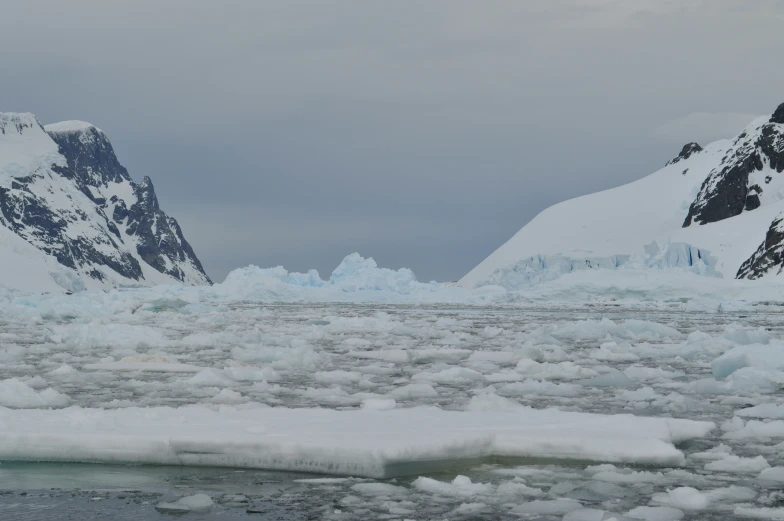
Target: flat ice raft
{"points": [[360, 442]]}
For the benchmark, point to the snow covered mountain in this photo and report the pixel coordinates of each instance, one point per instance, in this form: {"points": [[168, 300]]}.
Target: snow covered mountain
{"points": [[71, 217], [717, 210]]}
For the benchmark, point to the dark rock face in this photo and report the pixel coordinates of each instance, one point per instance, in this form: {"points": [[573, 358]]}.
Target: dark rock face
{"points": [[727, 191], [778, 116], [26, 208], [90, 156], [160, 241], [769, 256], [158, 238], [688, 150], [31, 218]]}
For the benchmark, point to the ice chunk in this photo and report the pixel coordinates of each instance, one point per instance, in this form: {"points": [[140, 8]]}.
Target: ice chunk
{"points": [[642, 476], [776, 514], [770, 411], [461, 486], [116, 335], [337, 377], [16, 393], [592, 491], [400, 356], [470, 509], [195, 503], [249, 373], [518, 490], [732, 494], [614, 352], [592, 514], [455, 375], [228, 396], [210, 378], [547, 507], [410, 391], [448, 356], [755, 429], [395, 442], [716, 453], [775, 474], [324, 481], [548, 371], [64, 371], [164, 304], [379, 489], [639, 395], [488, 401], [147, 363], [613, 378], [656, 513], [737, 464], [529, 387], [501, 357], [376, 404], [637, 372], [686, 498], [765, 356]]}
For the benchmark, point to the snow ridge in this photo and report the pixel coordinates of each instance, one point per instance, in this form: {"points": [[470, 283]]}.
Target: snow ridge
{"points": [[70, 126]]}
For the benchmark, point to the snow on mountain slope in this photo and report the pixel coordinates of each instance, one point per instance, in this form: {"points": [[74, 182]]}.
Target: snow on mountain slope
{"points": [[88, 225], [612, 228], [25, 268]]}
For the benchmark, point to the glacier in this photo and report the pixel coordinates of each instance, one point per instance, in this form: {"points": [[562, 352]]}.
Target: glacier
{"points": [[545, 268]]}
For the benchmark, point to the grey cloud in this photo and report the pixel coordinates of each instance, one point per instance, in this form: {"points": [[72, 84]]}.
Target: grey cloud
{"points": [[704, 127]]}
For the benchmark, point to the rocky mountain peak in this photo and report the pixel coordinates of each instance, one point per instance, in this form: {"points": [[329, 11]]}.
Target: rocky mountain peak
{"points": [[778, 115], [769, 256], [89, 152], [63, 190], [688, 150], [747, 177]]}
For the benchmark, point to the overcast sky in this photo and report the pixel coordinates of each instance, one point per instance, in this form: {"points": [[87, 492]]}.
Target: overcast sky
{"points": [[422, 133]]}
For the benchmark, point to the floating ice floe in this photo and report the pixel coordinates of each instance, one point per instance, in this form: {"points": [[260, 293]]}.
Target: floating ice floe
{"points": [[148, 363], [370, 443], [16, 393], [195, 503]]}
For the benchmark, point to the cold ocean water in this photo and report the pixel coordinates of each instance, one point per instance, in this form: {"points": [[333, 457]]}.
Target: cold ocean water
{"points": [[646, 360]]}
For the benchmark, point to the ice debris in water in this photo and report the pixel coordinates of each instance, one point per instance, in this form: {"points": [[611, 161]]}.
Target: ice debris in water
{"points": [[195, 503], [655, 513], [16, 393], [460, 486], [157, 361], [765, 356], [686, 498]]}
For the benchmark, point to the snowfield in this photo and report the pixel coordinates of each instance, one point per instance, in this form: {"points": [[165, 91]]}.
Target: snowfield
{"points": [[649, 394]]}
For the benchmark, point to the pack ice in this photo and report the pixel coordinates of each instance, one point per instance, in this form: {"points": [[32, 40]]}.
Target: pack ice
{"points": [[378, 444]]}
